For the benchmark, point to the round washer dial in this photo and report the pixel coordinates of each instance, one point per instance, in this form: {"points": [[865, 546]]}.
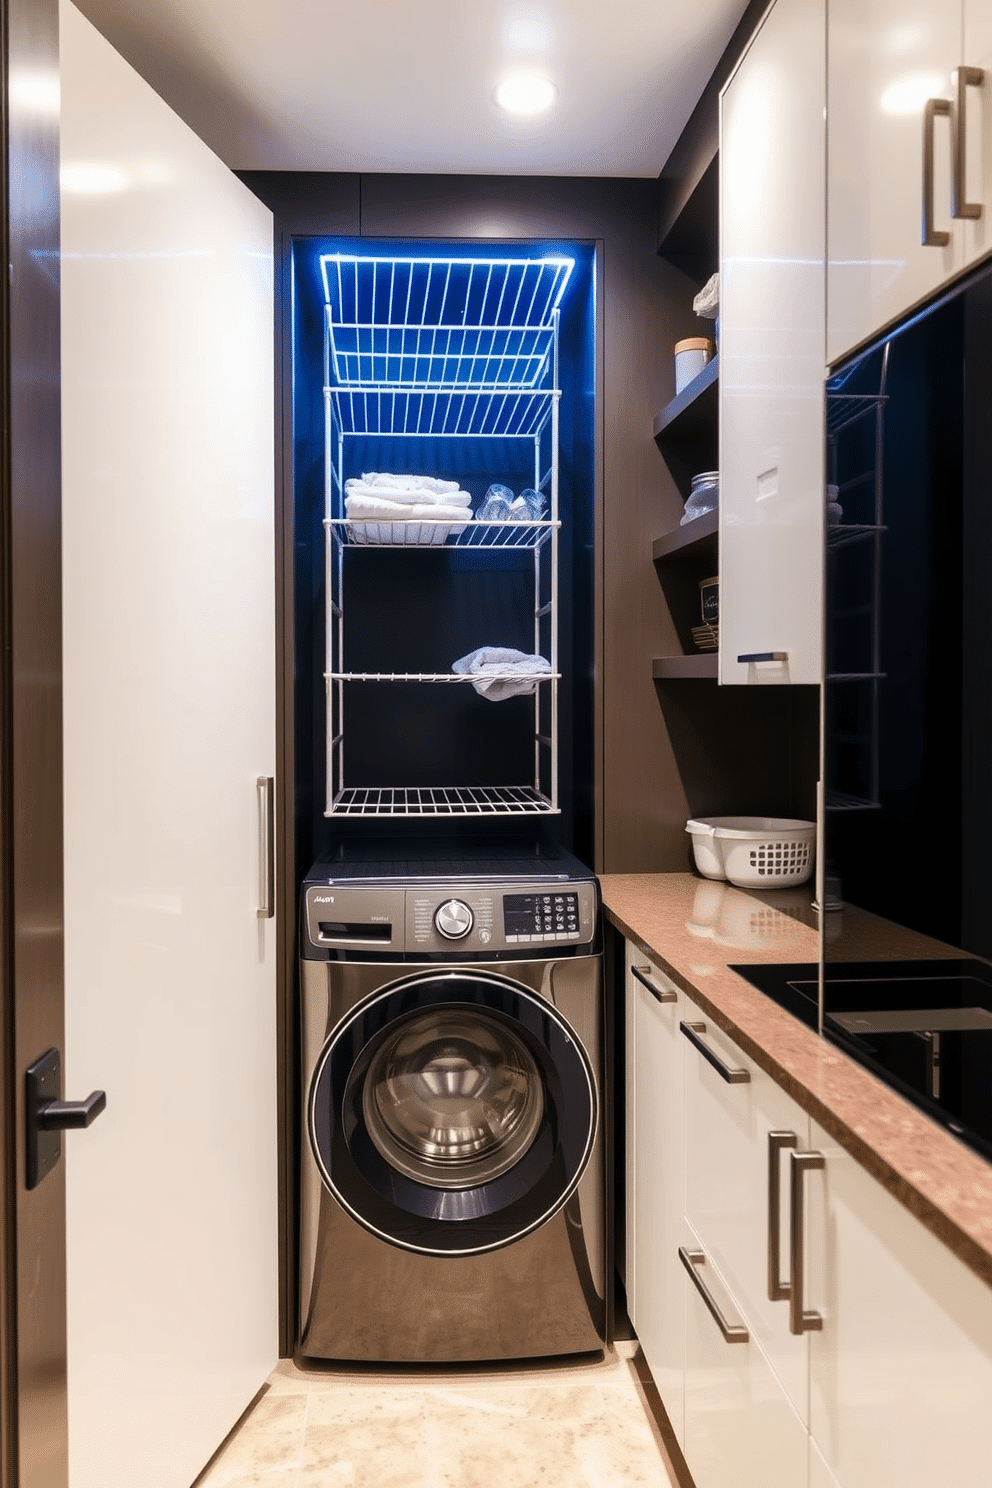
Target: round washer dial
{"points": [[453, 919]]}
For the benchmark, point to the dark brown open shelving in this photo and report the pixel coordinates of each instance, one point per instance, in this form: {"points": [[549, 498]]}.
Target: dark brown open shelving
{"points": [[673, 668], [686, 428], [697, 539], [694, 410]]}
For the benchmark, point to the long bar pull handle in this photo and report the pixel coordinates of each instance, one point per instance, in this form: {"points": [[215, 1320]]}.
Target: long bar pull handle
{"points": [[732, 1076], [764, 656], [660, 994], [801, 1320], [962, 78], [778, 1141], [930, 236], [265, 787], [692, 1260]]}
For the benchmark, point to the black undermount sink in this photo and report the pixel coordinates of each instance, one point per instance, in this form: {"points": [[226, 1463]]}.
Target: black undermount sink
{"points": [[925, 1027]]}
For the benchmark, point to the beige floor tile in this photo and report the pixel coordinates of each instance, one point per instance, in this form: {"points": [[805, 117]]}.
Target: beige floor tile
{"points": [[275, 1478], [268, 1441], [581, 1424], [565, 1402], [385, 1405], [383, 1452], [470, 1448]]}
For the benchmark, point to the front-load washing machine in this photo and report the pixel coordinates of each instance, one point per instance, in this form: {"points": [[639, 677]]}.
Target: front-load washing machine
{"points": [[452, 1184]]}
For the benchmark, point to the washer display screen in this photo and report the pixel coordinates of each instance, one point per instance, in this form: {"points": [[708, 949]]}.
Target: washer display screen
{"points": [[540, 914]]}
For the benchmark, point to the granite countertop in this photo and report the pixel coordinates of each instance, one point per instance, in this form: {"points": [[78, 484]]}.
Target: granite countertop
{"points": [[692, 928]]}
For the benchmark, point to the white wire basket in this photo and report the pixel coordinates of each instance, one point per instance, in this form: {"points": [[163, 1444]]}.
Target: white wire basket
{"points": [[754, 851]]}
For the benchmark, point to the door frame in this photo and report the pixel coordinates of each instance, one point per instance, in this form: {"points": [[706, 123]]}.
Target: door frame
{"points": [[32, 1225]]}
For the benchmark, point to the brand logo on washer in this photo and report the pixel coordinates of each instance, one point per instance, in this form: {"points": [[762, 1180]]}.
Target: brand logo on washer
{"points": [[323, 898]]}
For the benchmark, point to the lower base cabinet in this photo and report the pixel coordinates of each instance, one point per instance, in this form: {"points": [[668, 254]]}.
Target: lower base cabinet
{"points": [[890, 1386], [901, 1373], [655, 1181]]}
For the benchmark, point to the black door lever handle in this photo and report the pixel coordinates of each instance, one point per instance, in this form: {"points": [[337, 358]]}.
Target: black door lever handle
{"points": [[58, 1115], [46, 1115]]}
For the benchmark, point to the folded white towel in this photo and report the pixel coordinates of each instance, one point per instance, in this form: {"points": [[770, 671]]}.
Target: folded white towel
{"points": [[362, 507], [408, 495], [500, 672], [429, 483]]}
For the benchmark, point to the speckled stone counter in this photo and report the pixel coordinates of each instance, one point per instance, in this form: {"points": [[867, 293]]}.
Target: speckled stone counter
{"points": [[692, 928]]}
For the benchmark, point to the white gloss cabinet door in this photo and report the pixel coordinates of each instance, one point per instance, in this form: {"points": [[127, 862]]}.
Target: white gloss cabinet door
{"points": [[740, 1429], [727, 1201], [772, 244], [657, 1178], [901, 1373], [167, 367], [886, 58]]}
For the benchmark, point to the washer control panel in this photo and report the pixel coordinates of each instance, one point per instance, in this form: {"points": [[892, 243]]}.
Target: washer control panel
{"points": [[454, 919], [541, 916]]}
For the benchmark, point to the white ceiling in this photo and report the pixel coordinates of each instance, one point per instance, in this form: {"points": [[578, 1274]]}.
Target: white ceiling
{"points": [[392, 85]]}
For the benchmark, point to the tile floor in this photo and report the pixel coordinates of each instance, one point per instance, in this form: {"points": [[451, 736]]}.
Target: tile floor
{"points": [[582, 1424]]}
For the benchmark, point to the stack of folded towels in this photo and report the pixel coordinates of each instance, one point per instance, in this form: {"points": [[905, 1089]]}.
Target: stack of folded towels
{"points": [[385, 508]]}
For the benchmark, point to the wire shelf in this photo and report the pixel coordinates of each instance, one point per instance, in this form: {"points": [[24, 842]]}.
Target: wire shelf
{"points": [[507, 675], [839, 801], [851, 532], [423, 291], [439, 356], [496, 536], [478, 413], [447, 801], [845, 408]]}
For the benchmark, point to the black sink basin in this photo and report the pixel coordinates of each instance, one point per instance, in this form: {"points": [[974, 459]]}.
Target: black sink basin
{"points": [[925, 1027]]}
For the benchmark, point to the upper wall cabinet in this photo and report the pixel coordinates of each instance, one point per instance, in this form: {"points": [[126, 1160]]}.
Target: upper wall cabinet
{"points": [[909, 156], [772, 239]]}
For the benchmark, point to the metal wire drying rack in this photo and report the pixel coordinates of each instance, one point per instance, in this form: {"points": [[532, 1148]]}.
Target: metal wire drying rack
{"points": [[862, 486], [434, 348]]}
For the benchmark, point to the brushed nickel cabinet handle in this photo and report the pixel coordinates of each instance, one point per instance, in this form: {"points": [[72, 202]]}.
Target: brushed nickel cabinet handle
{"points": [[732, 1076], [930, 236], [265, 789], [962, 78], [778, 1141], [801, 1320], [692, 1260], [660, 994]]}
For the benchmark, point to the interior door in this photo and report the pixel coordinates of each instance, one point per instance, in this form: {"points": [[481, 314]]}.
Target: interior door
{"points": [[167, 376]]}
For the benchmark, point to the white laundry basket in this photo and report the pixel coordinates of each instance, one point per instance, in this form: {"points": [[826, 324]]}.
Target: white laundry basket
{"points": [[754, 851]]}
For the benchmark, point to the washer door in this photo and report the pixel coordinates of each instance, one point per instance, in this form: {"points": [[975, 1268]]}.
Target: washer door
{"points": [[452, 1113]]}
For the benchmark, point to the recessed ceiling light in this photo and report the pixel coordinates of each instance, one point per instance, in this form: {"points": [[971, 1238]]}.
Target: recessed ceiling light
{"points": [[525, 95]]}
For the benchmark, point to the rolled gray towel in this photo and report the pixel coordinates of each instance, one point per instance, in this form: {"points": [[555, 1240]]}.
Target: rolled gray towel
{"points": [[500, 672]]}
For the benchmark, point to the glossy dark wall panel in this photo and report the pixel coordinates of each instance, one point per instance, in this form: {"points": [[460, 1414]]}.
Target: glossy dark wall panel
{"points": [[31, 803]]}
